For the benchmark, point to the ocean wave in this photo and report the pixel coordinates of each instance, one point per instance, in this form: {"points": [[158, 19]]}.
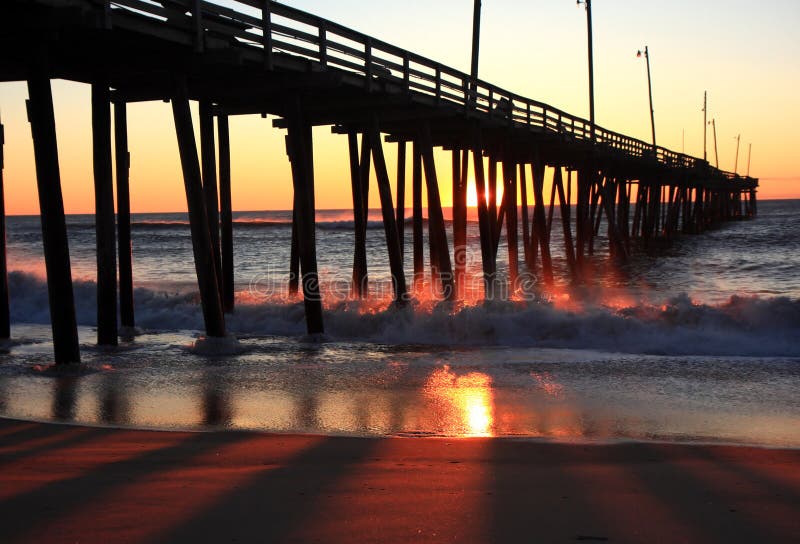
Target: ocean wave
{"points": [[741, 326]]}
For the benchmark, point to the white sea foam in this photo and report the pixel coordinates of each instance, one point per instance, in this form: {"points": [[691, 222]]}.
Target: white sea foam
{"points": [[745, 326]]}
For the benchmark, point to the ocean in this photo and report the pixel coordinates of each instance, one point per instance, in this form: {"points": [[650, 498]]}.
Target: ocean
{"points": [[700, 343]]}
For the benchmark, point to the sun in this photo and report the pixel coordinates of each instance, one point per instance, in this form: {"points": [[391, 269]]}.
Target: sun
{"points": [[472, 195]]}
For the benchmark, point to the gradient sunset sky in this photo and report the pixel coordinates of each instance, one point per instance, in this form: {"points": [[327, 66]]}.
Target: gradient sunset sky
{"points": [[746, 54]]}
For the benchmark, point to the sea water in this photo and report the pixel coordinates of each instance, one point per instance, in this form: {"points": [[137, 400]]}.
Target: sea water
{"points": [[698, 343]]}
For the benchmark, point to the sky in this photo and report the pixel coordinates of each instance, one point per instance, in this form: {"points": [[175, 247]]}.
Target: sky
{"points": [[744, 53]]}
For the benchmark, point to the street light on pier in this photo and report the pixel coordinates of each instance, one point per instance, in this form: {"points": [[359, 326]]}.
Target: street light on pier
{"points": [[476, 38], [749, 153], [588, 4], [713, 124], [705, 126], [646, 54]]}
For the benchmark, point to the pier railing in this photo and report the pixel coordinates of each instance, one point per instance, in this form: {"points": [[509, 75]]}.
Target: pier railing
{"points": [[274, 29]]}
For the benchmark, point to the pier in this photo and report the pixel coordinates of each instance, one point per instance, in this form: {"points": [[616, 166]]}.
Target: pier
{"points": [[266, 58]]}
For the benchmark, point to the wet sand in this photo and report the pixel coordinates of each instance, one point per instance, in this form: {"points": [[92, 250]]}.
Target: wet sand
{"points": [[63, 483]]}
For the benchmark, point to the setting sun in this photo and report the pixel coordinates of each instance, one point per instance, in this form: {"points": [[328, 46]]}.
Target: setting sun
{"points": [[472, 194]]}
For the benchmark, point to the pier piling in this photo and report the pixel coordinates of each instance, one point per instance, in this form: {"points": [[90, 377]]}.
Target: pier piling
{"points": [[107, 333], [124, 243], [5, 317], [436, 217], [209, 174], [202, 247], [226, 214], [360, 288], [389, 218], [416, 187], [54, 226], [300, 143]]}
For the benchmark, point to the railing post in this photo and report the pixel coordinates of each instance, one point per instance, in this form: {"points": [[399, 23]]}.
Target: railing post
{"points": [[528, 106], [266, 36], [438, 82], [465, 90], [491, 100], [197, 16], [107, 14], [368, 63], [323, 45], [406, 72]]}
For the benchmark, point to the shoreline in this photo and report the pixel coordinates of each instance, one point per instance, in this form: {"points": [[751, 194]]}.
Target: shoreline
{"points": [[66, 483], [544, 440]]}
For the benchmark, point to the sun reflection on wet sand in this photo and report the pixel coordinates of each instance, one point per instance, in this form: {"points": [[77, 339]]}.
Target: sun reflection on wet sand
{"points": [[464, 404]]}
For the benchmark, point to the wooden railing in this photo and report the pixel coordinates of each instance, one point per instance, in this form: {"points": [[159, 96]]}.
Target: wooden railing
{"points": [[275, 29]]}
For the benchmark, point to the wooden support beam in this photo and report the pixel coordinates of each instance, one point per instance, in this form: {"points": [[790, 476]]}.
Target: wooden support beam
{"points": [[54, 228], [294, 254], [124, 244], [510, 198], [530, 260], [209, 167], [501, 216], [615, 240], [569, 249], [202, 247], [639, 211], [107, 332], [594, 216], [623, 197], [539, 220], [551, 210], [494, 224], [301, 156], [484, 221], [359, 288], [401, 195], [435, 215], [5, 316], [389, 219], [582, 221], [460, 166], [226, 214], [416, 182]]}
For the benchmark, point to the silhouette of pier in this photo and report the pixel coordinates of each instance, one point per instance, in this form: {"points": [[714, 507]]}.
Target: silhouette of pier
{"points": [[267, 58]]}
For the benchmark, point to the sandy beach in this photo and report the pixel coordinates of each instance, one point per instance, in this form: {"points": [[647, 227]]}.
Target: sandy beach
{"points": [[62, 483]]}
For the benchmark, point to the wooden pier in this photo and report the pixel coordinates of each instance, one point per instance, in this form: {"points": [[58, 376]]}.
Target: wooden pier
{"points": [[266, 58]]}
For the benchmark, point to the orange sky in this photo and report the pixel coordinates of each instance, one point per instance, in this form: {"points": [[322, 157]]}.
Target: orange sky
{"points": [[751, 83]]}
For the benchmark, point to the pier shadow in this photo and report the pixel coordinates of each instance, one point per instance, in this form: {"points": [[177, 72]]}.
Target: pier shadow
{"points": [[278, 502], [84, 490], [627, 493]]}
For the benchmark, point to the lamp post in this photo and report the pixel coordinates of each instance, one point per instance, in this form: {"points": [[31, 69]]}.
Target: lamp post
{"points": [[716, 154], [588, 4], [749, 153], [705, 125], [650, 91], [736, 164], [476, 38]]}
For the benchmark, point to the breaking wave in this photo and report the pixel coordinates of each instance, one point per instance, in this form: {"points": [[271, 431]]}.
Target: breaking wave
{"points": [[741, 326]]}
